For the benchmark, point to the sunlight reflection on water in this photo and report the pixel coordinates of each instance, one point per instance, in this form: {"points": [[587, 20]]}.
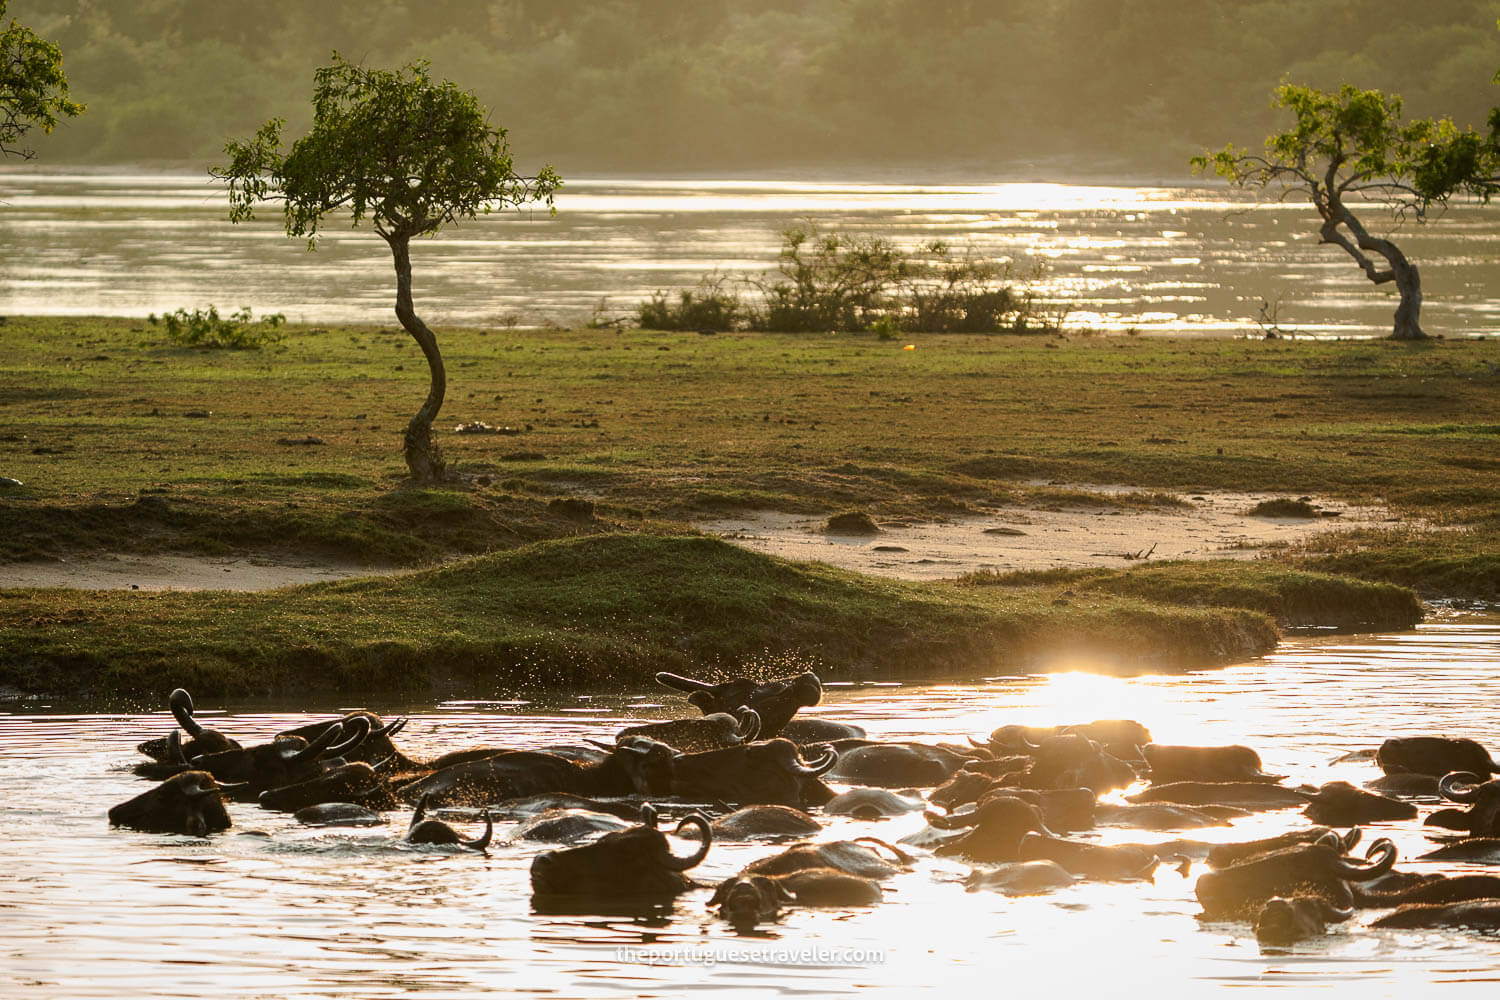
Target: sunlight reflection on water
{"points": [[271, 908], [130, 244]]}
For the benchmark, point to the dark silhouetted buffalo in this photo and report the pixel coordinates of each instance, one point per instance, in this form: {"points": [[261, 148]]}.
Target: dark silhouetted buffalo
{"points": [[188, 803], [435, 831], [775, 701], [1183, 763], [1238, 891], [636, 863], [1434, 755], [1284, 921]]}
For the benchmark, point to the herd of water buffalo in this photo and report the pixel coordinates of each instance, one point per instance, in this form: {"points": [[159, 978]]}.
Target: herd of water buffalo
{"points": [[1007, 804]]}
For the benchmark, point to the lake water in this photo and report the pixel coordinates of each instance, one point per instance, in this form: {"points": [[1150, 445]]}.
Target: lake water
{"points": [[1156, 259], [272, 909]]}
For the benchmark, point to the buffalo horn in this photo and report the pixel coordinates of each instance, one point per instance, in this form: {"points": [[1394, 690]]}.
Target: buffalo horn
{"points": [[1448, 786], [201, 790], [483, 840], [1373, 867], [358, 726], [419, 812], [607, 747], [682, 683], [648, 815], [182, 710], [390, 728], [174, 749], [1351, 839], [706, 839], [749, 725], [324, 740], [822, 765]]}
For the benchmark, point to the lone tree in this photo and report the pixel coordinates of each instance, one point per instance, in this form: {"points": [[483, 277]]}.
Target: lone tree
{"points": [[33, 90], [406, 153], [1351, 150]]}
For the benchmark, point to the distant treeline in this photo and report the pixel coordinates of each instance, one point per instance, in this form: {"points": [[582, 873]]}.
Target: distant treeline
{"points": [[1062, 86]]}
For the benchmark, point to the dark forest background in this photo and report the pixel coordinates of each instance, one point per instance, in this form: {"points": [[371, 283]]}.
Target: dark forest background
{"points": [[1056, 87]]}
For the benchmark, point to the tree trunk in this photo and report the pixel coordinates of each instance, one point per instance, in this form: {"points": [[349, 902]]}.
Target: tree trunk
{"points": [[422, 457], [1400, 270]]}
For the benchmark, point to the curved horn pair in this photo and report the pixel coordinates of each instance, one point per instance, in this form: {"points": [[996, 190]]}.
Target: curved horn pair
{"points": [[483, 840], [389, 729], [1374, 866], [673, 863], [749, 727], [315, 748], [814, 768], [358, 728]]}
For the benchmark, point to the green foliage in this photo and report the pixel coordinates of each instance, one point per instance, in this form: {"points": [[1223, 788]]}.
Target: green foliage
{"points": [[33, 89], [390, 146], [1355, 141], [836, 281], [206, 328], [709, 307]]}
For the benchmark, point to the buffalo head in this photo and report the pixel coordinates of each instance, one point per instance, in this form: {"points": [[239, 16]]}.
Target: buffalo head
{"points": [[188, 803], [637, 862]]}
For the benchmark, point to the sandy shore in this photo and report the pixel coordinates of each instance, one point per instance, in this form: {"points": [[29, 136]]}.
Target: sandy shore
{"points": [[175, 573], [1211, 526]]}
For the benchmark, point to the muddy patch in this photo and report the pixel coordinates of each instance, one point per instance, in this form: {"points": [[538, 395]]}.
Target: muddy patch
{"points": [[1207, 526]]}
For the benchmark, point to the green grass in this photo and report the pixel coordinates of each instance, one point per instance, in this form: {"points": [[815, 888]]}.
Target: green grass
{"points": [[125, 444], [604, 610]]}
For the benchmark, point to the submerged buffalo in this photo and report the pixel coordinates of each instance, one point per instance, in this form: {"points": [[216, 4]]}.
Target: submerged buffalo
{"points": [[746, 900], [1186, 763], [434, 831], [626, 769], [188, 803], [1478, 914], [202, 740], [1284, 921], [1238, 891], [775, 701], [714, 731], [637, 862], [1435, 756], [769, 772], [1339, 803], [286, 760], [1482, 818]]}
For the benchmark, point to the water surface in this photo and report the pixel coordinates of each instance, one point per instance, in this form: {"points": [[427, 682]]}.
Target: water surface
{"points": [[1154, 259], [272, 909]]}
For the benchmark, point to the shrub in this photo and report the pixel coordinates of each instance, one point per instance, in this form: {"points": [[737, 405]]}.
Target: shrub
{"points": [[206, 328], [709, 307]]}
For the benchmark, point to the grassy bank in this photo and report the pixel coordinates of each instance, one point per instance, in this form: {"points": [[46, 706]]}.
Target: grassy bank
{"points": [[612, 439], [600, 611]]}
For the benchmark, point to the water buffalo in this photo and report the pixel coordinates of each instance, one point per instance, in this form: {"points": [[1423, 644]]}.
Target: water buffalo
{"points": [[775, 701], [1183, 763], [1339, 803], [1410, 785], [1121, 738], [1238, 891], [435, 831], [203, 741], [357, 783], [286, 760], [1113, 863], [1434, 755], [767, 772], [1164, 816], [871, 803], [172, 761], [1240, 794], [1072, 760], [895, 765], [188, 803], [1432, 889], [1224, 855], [568, 826], [1284, 921], [1063, 809], [1478, 914], [633, 767], [764, 821], [805, 731], [1481, 850], [712, 732], [1021, 878], [997, 827], [376, 747], [338, 814], [852, 857], [1482, 818], [746, 900], [635, 863]]}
